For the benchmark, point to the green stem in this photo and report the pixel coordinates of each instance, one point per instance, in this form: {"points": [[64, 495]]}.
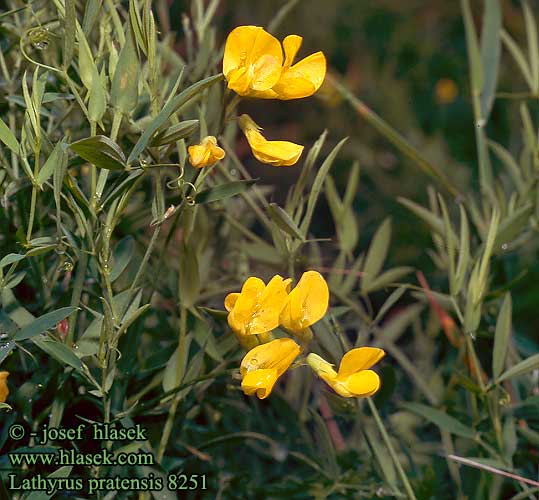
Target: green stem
{"points": [[392, 452], [75, 296], [145, 259]]}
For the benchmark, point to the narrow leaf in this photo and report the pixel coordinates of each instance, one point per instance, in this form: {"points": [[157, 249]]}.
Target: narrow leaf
{"points": [[501, 337], [223, 191], [43, 323], [100, 151]]}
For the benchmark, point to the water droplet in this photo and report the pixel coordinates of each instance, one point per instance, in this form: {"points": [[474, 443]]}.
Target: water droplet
{"points": [[254, 361], [75, 346], [505, 246], [40, 386], [41, 45], [68, 266]]}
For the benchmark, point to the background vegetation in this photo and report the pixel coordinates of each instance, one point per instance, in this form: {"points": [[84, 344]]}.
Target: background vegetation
{"points": [[425, 227]]}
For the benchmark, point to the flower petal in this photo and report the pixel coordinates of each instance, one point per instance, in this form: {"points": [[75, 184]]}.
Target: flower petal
{"points": [[363, 384], [291, 45], [260, 382], [230, 300], [238, 47], [265, 316], [198, 155], [241, 314], [307, 302], [4, 390], [277, 153], [278, 354], [302, 79], [266, 71], [359, 359]]}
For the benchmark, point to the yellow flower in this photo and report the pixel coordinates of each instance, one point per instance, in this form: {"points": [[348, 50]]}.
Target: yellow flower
{"points": [[263, 365], [252, 60], [302, 79], [205, 153], [354, 378], [253, 66], [306, 303], [256, 309], [276, 153], [4, 390]]}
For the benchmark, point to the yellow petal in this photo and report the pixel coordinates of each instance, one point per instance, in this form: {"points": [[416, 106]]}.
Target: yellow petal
{"points": [[260, 382], [307, 302], [291, 45], [252, 60], [205, 153], [321, 367], [265, 314], [241, 314], [276, 153], [363, 384], [302, 79], [359, 359], [230, 300], [278, 354], [4, 390]]}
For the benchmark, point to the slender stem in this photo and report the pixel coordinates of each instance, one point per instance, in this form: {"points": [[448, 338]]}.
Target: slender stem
{"points": [[75, 296], [392, 452], [145, 259]]}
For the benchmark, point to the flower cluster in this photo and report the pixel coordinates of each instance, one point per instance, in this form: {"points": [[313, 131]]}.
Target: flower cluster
{"points": [[260, 308], [254, 66]]}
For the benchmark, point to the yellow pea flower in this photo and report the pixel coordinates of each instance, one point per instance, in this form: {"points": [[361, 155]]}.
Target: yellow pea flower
{"points": [[276, 153], [253, 65], [256, 309], [263, 365], [205, 153], [252, 60], [4, 390], [354, 379], [302, 79], [306, 303]]}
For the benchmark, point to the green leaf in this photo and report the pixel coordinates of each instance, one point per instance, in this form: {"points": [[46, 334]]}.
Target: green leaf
{"points": [[58, 351], [87, 67], [43, 323], [518, 56], [124, 89], [122, 257], [189, 276], [501, 337], [434, 221], [175, 132], [533, 45], [171, 107], [7, 137], [464, 253], [317, 187], [171, 377], [70, 29], [224, 191], [97, 105], [10, 258], [510, 164], [474, 56], [284, 221], [512, 226], [376, 255], [441, 419], [529, 364], [52, 162], [100, 151], [387, 277], [490, 53], [62, 472]]}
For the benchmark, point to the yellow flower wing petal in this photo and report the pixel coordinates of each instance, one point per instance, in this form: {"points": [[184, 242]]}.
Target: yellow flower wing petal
{"points": [[239, 81], [359, 359], [230, 300], [4, 390], [266, 71], [363, 384], [291, 45], [240, 316], [302, 79], [260, 382], [269, 306], [278, 354], [217, 153], [309, 300], [198, 155], [238, 47], [277, 153]]}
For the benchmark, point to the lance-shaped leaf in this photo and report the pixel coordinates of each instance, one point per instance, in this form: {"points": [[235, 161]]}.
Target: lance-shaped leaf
{"points": [[53, 161], [284, 221], [100, 151], [377, 254], [529, 364], [43, 323], [501, 337], [224, 191], [7, 137], [490, 53], [171, 107], [175, 133], [124, 90]]}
